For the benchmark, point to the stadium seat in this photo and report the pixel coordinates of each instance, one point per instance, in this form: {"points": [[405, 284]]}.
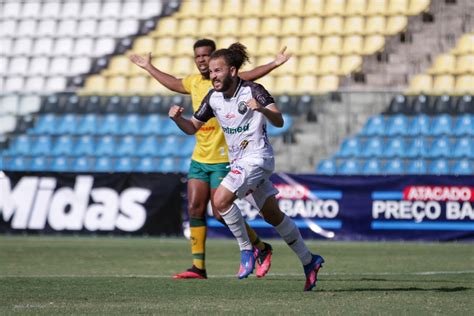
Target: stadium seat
{"points": [[418, 147], [394, 166], [355, 7], [127, 146], [166, 26], [268, 45], [443, 84], [148, 146], [231, 8], [170, 146], [29, 104], [439, 167], [351, 147], [441, 125], [464, 85], [397, 7], [465, 104], [331, 45], [397, 125], [41, 146], [354, 25], [396, 147], [63, 146], [443, 104], [209, 27], [310, 45], [306, 84], [284, 84], [103, 164], [417, 166], [326, 167], [327, 84], [291, 26], [82, 164], [124, 164], [420, 104], [373, 44], [211, 9], [153, 124], [46, 124], [334, 7], [375, 25], [376, 7], [465, 45], [270, 26], [395, 25], [131, 125], [138, 85], [18, 164], [463, 148], [440, 147], [60, 164], [373, 147], [66, 124], [418, 6], [464, 125], [372, 167], [463, 167], [353, 45], [249, 26], [350, 64], [39, 163], [307, 65], [167, 165], [443, 64], [85, 146], [333, 25], [349, 167], [375, 126], [183, 165], [464, 65], [329, 65], [312, 25], [106, 146], [110, 124], [146, 164]]}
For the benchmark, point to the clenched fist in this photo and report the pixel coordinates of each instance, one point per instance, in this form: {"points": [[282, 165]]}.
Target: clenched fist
{"points": [[175, 112], [254, 105]]}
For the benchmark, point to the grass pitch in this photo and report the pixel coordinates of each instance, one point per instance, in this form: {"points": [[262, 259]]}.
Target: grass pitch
{"points": [[131, 276]]}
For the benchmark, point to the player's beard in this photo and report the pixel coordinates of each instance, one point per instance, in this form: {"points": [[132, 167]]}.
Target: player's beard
{"points": [[225, 84]]}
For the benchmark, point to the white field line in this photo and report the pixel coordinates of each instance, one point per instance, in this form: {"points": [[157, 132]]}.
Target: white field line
{"points": [[224, 276]]}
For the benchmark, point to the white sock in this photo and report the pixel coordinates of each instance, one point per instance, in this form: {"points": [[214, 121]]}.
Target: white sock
{"points": [[234, 220], [292, 236]]}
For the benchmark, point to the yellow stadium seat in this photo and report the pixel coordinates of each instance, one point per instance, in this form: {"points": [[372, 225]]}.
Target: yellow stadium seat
{"points": [[231, 8], [272, 8], [313, 8], [167, 26], [465, 45], [249, 65], [188, 27], [292, 43], [376, 7], [143, 45], [306, 84], [116, 85], [443, 84], [226, 41], [118, 65], [375, 25], [443, 64], [184, 47], [308, 65], [373, 44], [465, 64], [249, 26], [327, 84], [137, 71], [270, 26], [211, 9], [354, 25], [289, 68], [154, 87], [418, 6], [208, 27], [291, 26], [182, 66], [465, 84], [251, 42], [229, 26], [189, 8], [137, 85], [312, 25], [95, 84], [353, 45], [333, 25], [252, 8], [310, 45], [292, 8], [268, 83], [163, 63], [285, 84], [420, 84], [331, 45], [396, 24], [334, 7], [164, 46], [268, 45], [329, 65], [397, 7], [350, 64], [355, 7]]}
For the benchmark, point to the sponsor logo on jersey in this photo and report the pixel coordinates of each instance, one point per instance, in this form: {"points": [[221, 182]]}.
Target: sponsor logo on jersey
{"points": [[242, 107], [244, 144], [237, 130]]}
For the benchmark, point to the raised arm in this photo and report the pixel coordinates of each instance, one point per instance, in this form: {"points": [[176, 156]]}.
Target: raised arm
{"points": [[190, 127], [169, 81], [262, 70]]}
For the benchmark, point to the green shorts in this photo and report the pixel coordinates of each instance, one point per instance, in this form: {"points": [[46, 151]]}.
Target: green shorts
{"points": [[212, 173]]}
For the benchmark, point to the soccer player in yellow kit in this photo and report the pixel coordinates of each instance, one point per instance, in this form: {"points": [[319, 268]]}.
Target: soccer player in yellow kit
{"points": [[209, 162]]}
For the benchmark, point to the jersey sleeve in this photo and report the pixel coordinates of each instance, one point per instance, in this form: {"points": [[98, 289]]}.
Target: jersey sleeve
{"points": [[187, 83], [205, 112], [262, 96]]}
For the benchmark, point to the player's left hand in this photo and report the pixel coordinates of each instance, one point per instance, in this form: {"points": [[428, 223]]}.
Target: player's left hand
{"points": [[281, 57], [254, 105]]}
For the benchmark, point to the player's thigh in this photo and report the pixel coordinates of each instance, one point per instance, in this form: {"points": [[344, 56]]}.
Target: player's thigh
{"points": [[271, 212], [198, 189]]}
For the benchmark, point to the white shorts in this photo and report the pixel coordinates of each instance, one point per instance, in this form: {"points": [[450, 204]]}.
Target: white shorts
{"points": [[249, 179]]}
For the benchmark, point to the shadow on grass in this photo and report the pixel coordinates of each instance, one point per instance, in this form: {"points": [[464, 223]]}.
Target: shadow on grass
{"points": [[407, 289]]}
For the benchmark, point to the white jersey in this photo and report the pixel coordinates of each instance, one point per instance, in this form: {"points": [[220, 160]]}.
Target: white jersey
{"points": [[245, 130]]}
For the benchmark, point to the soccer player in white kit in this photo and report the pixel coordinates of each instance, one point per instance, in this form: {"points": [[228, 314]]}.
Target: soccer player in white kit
{"points": [[243, 109]]}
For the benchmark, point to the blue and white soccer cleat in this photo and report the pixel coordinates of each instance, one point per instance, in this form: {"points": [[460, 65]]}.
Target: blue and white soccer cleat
{"points": [[311, 272], [247, 263]]}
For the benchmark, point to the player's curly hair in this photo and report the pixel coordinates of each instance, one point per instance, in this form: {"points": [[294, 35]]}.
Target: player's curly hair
{"points": [[236, 55], [205, 42]]}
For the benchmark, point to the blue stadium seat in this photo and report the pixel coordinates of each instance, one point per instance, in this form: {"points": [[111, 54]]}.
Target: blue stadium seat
{"points": [[109, 125], [18, 164], [439, 167], [42, 146], [46, 124], [417, 166], [440, 147], [39, 163], [21, 146], [397, 125], [146, 164], [103, 164], [63, 146], [420, 125], [167, 164], [82, 164], [463, 167], [153, 124], [87, 125], [127, 146], [66, 124], [396, 147], [186, 147], [351, 147], [394, 166], [375, 126], [464, 148], [124, 164], [148, 146], [105, 146], [349, 167], [131, 125], [183, 165], [326, 167], [418, 147], [2, 162], [441, 125], [85, 146], [464, 125], [170, 128], [170, 146], [372, 167], [60, 164], [373, 147]]}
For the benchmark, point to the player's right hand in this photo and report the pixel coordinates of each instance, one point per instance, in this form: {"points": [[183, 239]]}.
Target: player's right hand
{"points": [[175, 112], [141, 61]]}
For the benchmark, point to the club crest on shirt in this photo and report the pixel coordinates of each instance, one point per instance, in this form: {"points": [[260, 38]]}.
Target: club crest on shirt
{"points": [[242, 107]]}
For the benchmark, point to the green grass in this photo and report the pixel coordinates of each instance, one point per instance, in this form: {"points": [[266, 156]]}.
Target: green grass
{"points": [[130, 276]]}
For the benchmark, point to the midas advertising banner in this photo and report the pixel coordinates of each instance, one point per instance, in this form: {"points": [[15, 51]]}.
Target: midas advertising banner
{"points": [[375, 207], [101, 203]]}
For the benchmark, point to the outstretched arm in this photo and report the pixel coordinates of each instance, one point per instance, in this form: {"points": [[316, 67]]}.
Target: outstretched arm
{"points": [[262, 70], [190, 127], [169, 81]]}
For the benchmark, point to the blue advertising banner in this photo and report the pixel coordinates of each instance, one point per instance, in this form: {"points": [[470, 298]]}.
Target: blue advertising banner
{"points": [[371, 207]]}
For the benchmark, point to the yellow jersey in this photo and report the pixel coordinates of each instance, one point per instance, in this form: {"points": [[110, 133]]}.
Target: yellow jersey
{"points": [[210, 142]]}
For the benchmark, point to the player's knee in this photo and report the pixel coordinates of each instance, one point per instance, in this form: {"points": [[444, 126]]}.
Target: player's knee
{"points": [[196, 209]]}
